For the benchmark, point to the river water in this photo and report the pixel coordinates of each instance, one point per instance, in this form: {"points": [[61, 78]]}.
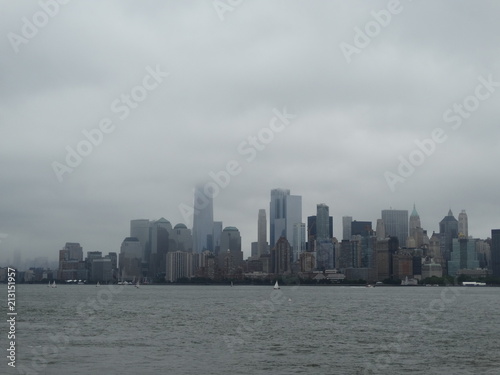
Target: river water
{"points": [[187, 330]]}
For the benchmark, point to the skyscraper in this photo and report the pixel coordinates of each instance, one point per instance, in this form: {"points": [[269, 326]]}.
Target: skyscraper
{"points": [[285, 211], [396, 224], [463, 256], [280, 257], [130, 258], [495, 252], [293, 215], [230, 255], [298, 240], [448, 229], [416, 231], [161, 231], [182, 239], [262, 247], [463, 224], [203, 219], [277, 211], [216, 235], [380, 229], [139, 228], [322, 222], [346, 227]]}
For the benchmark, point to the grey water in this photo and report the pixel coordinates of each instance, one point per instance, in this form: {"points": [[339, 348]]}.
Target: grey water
{"points": [[207, 329]]}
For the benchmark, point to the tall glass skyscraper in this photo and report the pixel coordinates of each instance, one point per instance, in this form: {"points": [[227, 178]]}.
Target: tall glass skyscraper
{"points": [[322, 222], [277, 211], [285, 211], [262, 233], [396, 224], [139, 228], [346, 227], [203, 219], [495, 252], [448, 230]]}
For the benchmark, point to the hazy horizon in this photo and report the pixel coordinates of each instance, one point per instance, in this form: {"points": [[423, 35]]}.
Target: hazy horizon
{"points": [[114, 111]]}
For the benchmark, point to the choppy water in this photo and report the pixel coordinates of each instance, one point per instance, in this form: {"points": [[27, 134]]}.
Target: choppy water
{"points": [[184, 330]]}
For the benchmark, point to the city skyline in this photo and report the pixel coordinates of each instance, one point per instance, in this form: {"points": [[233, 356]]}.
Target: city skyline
{"points": [[139, 227], [352, 109]]}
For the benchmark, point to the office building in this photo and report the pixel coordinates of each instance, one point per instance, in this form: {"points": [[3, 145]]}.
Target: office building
{"points": [[181, 239], [346, 227], [298, 240], [230, 256], [396, 224], [285, 211], [203, 219], [463, 256], [280, 257], [262, 247], [140, 228], [361, 228], [463, 224], [495, 252], [179, 265], [448, 230]]}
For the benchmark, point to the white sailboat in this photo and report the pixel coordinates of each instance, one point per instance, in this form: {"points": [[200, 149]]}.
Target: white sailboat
{"points": [[54, 285], [48, 286], [137, 284], [98, 284], [276, 286]]}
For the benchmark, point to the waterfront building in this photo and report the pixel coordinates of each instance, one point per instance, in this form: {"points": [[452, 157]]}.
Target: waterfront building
{"points": [[179, 265], [495, 252], [463, 256], [130, 259]]}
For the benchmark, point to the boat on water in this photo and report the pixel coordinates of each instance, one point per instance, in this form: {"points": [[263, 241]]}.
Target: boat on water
{"points": [[98, 284], [54, 285], [276, 286], [231, 283], [473, 283], [137, 284]]}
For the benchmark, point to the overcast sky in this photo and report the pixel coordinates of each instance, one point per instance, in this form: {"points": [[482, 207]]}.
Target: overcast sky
{"points": [[362, 85]]}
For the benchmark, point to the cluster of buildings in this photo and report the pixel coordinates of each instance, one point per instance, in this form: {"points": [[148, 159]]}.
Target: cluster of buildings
{"points": [[397, 248]]}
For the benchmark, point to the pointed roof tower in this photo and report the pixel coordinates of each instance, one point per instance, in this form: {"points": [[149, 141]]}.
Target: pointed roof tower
{"points": [[414, 212]]}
